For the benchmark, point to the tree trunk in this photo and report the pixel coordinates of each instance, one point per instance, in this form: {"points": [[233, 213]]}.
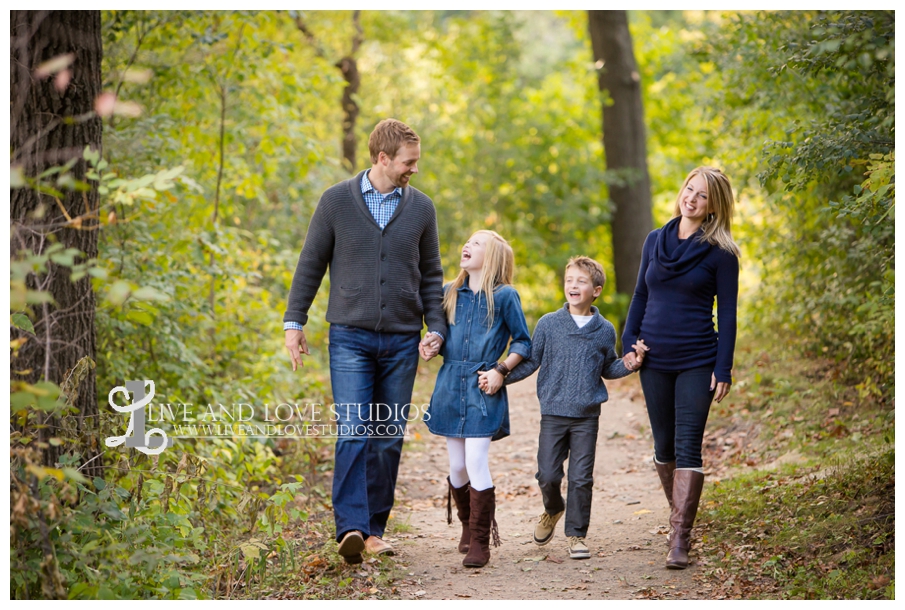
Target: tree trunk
{"points": [[624, 142], [349, 67], [52, 120]]}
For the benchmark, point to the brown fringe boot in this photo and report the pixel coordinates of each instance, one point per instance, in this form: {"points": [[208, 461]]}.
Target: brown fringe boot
{"points": [[482, 523], [462, 498]]}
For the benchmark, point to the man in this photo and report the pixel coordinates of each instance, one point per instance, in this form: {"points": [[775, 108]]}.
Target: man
{"points": [[378, 236]]}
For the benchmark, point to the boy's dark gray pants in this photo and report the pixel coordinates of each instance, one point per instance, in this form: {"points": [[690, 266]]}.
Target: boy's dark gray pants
{"points": [[575, 438]]}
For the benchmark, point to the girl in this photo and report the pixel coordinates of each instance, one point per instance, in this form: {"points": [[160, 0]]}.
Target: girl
{"points": [[684, 265], [484, 313]]}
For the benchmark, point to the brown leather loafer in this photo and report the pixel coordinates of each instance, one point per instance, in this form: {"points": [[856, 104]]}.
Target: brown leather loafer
{"points": [[351, 546], [375, 545]]}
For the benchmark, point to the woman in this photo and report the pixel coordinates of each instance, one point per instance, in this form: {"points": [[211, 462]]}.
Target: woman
{"points": [[684, 265]]}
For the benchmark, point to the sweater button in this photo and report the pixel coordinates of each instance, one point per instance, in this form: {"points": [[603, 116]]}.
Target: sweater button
{"points": [[382, 282], [384, 306], [383, 257]]}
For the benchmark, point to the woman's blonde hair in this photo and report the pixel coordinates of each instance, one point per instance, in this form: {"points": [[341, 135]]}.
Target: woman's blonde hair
{"points": [[721, 203], [497, 270]]}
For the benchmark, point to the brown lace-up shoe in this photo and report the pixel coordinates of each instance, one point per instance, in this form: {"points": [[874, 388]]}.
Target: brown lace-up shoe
{"points": [[375, 545], [351, 546], [543, 531]]}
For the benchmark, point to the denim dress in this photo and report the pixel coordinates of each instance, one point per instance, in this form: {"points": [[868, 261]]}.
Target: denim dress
{"points": [[458, 408]]}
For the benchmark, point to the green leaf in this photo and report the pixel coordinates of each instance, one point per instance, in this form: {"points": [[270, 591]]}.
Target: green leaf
{"points": [[119, 292], [74, 475], [146, 293], [141, 317], [21, 321]]}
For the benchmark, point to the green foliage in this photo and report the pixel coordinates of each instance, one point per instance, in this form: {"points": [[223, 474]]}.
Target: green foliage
{"points": [[802, 495], [811, 533], [831, 243], [206, 196]]}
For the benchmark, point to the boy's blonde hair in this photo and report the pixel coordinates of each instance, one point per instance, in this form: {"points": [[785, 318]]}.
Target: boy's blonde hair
{"points": [[589, 266], [497, 270]]}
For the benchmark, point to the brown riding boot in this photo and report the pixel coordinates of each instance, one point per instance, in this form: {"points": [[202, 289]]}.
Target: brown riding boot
{"points": [[482, 523], [686, 493], [462, 499], [666, 471]]}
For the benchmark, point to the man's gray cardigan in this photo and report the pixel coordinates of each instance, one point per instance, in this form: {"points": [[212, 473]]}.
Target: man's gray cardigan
{"points": [[383, 280], [573, 363]]}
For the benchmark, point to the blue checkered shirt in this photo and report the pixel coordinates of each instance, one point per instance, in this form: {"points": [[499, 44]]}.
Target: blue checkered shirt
{"points": [[382, 208]]}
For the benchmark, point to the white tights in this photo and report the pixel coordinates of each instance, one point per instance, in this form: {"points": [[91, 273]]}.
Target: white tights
{"points": [[468, 461]]}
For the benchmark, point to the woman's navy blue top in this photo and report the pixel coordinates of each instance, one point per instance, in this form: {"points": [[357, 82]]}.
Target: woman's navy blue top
{"points": [[458, 408], [672, 308]]}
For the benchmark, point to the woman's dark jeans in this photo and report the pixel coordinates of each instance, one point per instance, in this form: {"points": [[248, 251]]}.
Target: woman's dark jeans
{"points": [[678, 405]]}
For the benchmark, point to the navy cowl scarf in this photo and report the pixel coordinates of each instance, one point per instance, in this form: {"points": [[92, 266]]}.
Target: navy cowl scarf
{"points": [[671, 260]]}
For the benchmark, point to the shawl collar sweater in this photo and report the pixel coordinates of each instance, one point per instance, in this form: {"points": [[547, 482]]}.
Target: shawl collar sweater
{"points": [[573, 363], [384, 280]]}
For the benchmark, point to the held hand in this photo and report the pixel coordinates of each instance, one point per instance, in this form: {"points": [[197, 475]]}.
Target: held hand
{"points": [[490, 381], [641, 349], [722, 388], [631, 361], [297, 345], [427, 352], [430, 346]]}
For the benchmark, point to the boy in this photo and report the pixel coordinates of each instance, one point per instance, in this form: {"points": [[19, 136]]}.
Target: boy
{"points": [[575, 348]]}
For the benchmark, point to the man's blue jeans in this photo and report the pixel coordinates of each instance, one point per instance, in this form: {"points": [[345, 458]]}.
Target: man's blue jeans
{"points": [[372, 375]]}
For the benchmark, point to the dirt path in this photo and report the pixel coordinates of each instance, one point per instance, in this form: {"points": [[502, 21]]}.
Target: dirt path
{"points": [[628, 522]]}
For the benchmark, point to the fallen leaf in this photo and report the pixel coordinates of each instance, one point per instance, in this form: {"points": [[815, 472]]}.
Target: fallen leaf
{"points": [[643, 511], [553, 559]]}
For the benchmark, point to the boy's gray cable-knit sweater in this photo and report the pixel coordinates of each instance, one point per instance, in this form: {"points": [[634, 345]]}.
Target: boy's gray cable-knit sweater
{"points": [[383, 280], [573, 362]]}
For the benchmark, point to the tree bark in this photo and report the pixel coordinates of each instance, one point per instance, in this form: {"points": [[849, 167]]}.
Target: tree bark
{"points": [[52, 120], [349, 68], [624, 142]]}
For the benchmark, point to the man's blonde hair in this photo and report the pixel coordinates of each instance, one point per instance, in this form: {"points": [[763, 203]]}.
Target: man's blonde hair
{"points": [[589, 266], [497, 270], [389, 136]]}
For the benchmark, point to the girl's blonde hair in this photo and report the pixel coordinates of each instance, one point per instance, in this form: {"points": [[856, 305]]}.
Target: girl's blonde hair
{"points": [[717, 230], [497, 270]]}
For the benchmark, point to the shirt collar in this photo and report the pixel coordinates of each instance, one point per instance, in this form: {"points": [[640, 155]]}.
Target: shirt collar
{"points": [[367, 186]]}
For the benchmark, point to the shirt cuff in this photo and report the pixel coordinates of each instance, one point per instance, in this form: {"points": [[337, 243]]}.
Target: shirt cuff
{"points": [[293, 326], [438, 334], [522, 349]]}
